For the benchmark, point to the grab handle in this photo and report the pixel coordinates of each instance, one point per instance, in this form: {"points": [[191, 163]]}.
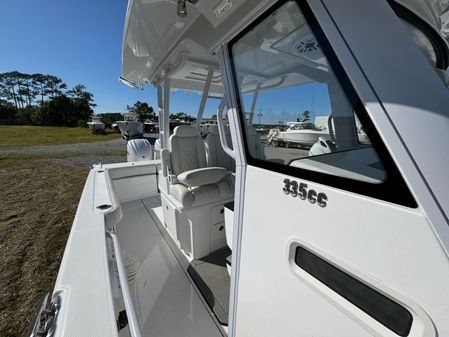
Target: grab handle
{"points": [[131, 313], [331, 127], [221, 129]]}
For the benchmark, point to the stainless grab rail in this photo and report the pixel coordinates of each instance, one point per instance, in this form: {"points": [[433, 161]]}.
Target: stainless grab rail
{"points": [[134, 325]]}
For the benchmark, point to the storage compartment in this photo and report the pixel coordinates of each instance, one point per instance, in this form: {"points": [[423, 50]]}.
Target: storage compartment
{"points": [[217, 214], [169, 218], [135, 187], [217, 236], [134, 181]]}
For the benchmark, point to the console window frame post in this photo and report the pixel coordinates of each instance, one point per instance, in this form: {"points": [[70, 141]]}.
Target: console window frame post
{"points": [[240, 177]]}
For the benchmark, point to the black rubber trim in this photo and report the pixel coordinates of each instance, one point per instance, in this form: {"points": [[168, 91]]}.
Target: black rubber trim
{"points": [[230, 205], [438, 44], [384, 310], [393, 188], [229, 260]]}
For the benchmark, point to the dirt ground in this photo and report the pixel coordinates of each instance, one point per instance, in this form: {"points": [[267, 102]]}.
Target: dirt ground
{"points": [[39, 201]]}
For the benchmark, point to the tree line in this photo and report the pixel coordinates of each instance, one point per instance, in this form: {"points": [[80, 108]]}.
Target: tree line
{"points": [[147, 113], [39, 99]]}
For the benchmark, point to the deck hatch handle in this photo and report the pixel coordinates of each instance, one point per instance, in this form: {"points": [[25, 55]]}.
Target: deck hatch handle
{"points": [[381, 308]]}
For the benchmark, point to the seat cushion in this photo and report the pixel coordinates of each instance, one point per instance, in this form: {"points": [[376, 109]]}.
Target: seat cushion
{"points": [[201, 195], [215, 153], [185, 131], [186, 150], [202, 176]]}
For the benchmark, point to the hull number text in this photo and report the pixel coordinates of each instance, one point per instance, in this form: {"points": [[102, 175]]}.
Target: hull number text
{"points": [[302, 191]]}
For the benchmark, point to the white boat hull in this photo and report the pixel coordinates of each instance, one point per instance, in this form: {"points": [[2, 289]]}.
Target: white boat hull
{"points": [[96, 127], [302, 138], [130, 129]]}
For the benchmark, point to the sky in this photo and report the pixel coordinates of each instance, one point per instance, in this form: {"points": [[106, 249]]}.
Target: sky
{"points": [[288, 104], [78, 41]]}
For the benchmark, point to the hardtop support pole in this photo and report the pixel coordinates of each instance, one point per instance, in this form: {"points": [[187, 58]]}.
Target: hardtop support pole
{"points": [[166, 111], [160, 105], [253, 105], [204, 96]]}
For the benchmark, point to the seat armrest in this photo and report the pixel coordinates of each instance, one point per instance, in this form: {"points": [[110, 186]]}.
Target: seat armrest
{"points": [[202, 176]]}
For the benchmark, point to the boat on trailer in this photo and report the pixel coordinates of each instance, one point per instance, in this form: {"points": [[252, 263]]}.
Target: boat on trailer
{"points": [[227, 236], [304, 134], [96, 125], [130, 127]]}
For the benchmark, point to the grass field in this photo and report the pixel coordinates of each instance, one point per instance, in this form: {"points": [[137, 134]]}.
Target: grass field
{"points": [[20, 136], [39, 194]]}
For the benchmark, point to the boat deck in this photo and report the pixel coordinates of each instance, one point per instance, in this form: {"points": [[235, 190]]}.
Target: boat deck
{"points": [[166, 301], [212, 279]]}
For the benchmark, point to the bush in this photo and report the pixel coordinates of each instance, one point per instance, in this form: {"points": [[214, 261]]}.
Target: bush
{"points": [[7, 111], [25, 115], [40, 115], [81, 123]]}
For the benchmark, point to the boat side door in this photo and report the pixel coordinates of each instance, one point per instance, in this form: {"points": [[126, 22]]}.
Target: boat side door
{"points": [[330, 240]]}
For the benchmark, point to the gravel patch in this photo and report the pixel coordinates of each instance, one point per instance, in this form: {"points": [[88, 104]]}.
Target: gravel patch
{"points": [[101, 146], [88, 160], [84, 154]]}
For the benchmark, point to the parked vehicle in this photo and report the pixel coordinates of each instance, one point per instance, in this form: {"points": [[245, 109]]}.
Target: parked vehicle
{"points": [[115, 127]]}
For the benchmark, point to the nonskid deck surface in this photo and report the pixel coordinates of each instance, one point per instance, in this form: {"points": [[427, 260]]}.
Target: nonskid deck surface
{"points": [[212, 279], [165, 299]]}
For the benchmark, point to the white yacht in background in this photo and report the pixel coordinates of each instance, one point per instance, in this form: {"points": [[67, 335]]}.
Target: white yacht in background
{"points": [[226, 236], [130, 127], [96, 125], [298, 134]]}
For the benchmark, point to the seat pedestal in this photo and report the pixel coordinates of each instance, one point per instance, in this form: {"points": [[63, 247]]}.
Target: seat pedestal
{"points": [[197, 230]]}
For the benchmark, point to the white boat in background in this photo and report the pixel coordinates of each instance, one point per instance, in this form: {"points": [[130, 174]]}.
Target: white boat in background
{"points": [[303, 134], [323, 123], [150, 127], [96, 125], [228, 237], [206, 125], [130, 127]]}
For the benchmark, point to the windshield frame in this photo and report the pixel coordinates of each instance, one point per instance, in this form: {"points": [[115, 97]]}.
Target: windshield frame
{"points": [[392, 189]]}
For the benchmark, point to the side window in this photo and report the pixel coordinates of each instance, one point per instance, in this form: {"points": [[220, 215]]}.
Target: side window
{"points": [[297, 117]]}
